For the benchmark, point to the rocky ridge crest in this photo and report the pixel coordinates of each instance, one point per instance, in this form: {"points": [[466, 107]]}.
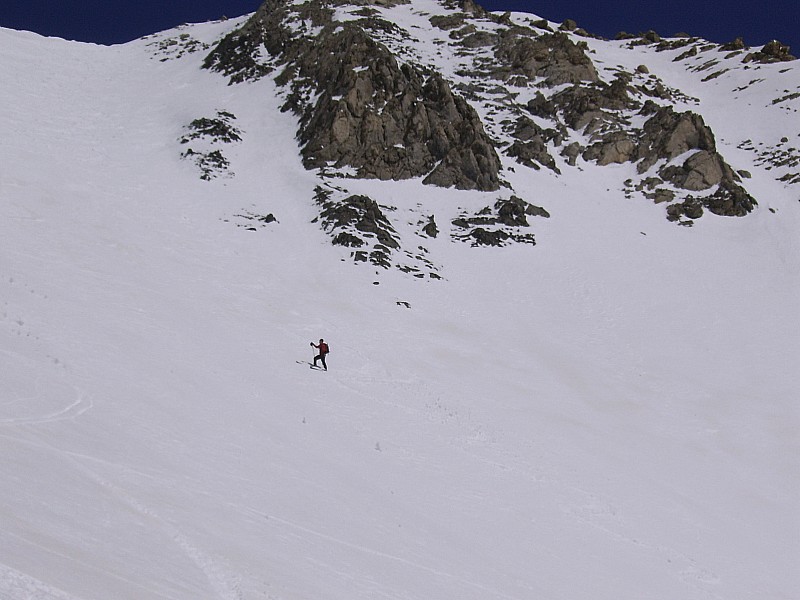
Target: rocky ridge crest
{"points": [[500, 93]]}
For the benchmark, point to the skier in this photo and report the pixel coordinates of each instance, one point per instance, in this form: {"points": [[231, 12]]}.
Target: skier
{"points": [[323, 350]]}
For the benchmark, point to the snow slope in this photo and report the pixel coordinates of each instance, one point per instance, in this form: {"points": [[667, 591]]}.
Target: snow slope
{"points": [[609, 414]]}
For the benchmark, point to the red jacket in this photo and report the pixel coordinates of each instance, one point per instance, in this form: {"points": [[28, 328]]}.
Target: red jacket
{"points": [[323, 348]]}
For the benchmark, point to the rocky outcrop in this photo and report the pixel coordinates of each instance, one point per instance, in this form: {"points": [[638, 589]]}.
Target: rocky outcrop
{"points": [[500, 224], [772, 52], [530, 146], [430, 229], [595, 108], [359, 108], [664, 137], [213, 129], [358, 222], [204, 139], [370, 104], [702, 170], [668, 134], [554, 57], [386, 120]]}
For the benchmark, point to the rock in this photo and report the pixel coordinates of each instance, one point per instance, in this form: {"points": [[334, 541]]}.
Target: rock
{"points": [[358, 107], [735, 45], [479, 39], [568, 25], [347, 239], [512, 212], [482, 237], [772, 52], [213, 129], [430, 229], [730, 200], [536, 211], [540, 106], [448, 22], [494, 226], [701, 171], [615, 148], [358, 222], [668, 134], [530, 145], [691, 209], [364, 112], [554, 57], [663, 195], [571, 152], [472, 8], [542, 24], [597, 103], [652, 37], [363, 214]]}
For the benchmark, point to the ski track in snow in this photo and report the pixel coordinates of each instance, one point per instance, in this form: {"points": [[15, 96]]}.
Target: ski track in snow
{"points": [[593, 514], [24, 583], [71, 411], [373, 552], [685, 568], [225, 584], [15, 585]]}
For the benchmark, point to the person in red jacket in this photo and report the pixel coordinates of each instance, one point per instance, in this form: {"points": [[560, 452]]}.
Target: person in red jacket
{"points": [[323, 350]]}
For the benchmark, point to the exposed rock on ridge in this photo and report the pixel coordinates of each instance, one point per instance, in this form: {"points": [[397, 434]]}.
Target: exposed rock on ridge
{"points": [[373, 100], [385, 120], [552, 56], [358, 107]]}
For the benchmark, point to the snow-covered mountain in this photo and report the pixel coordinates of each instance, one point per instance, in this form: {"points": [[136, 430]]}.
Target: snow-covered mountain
{"points": [[559, 276]]}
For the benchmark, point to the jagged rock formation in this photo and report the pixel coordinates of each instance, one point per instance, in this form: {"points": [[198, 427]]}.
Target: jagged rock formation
{"points": [[370, 104], [385, 120], [551, 56], [497, 225], [357, 222], [206, 136], [772, 52]]}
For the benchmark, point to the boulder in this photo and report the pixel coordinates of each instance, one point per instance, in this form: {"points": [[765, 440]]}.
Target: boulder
{"points": [[617, 147], [667, 135], [701, 171], [772, 52]]}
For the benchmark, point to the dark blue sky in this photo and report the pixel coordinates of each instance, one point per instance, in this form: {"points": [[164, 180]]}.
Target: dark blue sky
{"points": [[109, 21]]}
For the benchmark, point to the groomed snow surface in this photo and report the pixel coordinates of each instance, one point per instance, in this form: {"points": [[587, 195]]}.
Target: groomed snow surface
{"points": [[609, 415]]}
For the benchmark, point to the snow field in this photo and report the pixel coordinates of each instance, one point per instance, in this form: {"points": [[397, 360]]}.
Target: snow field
{"points": [[609, 414]]}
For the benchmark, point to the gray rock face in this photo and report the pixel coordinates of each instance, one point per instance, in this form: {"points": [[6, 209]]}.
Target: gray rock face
{"points": [[668, 134], [530, 145], [700, 171], [616, 147], [370, 105], [358, 222], [772, 52], [500, 224], [388, 121], [665, 136], [594, 107], [552, 56], [385, 120]]}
